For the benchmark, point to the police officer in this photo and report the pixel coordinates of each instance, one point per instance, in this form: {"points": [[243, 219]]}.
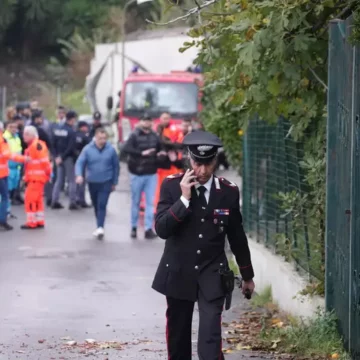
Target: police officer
{"points": [[64, 148], [82, 139], [195, 212], [96, 123]]}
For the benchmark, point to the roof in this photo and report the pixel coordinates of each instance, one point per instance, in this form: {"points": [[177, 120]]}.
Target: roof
{"points": [[158, 33]]}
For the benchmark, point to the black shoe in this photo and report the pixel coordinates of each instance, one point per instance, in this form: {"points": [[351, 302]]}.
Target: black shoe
{"points": [[6, 226], [48, 203], [57, 206], [27, 227], [150, 235], [74, 207], [133, 233], [19, 199], [16, 202]]}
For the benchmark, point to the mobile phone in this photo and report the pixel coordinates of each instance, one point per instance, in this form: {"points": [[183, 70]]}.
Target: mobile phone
{"points": [[188, 166]]}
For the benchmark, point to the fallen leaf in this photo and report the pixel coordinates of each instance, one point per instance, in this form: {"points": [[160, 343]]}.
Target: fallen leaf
{"points": [[227, 351], [275, 343], [65, 338], [242, 347], [41, 341], [90, 341], [232, 340], [335, 356]]}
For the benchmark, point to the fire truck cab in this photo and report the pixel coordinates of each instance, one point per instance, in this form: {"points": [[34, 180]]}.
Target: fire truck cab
{"points": [[178, 93]]}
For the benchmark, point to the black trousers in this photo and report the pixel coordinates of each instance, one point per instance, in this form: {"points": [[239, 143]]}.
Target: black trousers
{"points": [[179, 317]]}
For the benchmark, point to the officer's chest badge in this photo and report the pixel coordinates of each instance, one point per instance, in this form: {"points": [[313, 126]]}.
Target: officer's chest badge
{"points": [[221, 229]]}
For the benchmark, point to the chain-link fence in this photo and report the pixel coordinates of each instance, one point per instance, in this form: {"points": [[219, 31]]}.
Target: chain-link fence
{"points": [[275, 196]]}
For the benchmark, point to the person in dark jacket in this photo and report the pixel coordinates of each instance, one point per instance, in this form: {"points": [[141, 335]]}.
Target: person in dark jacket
{"points": [[144, 149], [38, 121], [82, 139], [196, 212], [65, 155], [96, 123]]}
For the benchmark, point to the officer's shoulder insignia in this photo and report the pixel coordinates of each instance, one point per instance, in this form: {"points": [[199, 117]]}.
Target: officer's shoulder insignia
{"points": [[38, 146], [175, 176], [228, 183]]}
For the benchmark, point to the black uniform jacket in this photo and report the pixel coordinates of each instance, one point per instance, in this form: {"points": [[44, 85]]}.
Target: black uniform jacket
{"points": [[195, 240]]}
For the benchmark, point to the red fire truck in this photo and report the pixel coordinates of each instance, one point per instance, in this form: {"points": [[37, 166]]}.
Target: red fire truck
{"points": [[178, 93]]}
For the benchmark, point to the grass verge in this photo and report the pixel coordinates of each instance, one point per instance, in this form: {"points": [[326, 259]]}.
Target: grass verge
{"points": [[268, 329]]}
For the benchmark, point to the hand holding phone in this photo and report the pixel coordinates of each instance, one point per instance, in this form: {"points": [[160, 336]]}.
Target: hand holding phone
{"points": [[187, 182]]}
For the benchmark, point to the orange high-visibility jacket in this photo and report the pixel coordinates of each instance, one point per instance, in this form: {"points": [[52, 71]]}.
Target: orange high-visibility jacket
{"points": [[38, 168], [5, 156]]}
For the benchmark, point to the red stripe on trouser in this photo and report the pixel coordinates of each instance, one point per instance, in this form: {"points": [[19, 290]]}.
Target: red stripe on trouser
{"points": [[221, 353], [167, 330]]}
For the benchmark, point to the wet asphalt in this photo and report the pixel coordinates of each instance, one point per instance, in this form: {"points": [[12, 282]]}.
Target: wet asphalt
{"points": [[60, 284]]}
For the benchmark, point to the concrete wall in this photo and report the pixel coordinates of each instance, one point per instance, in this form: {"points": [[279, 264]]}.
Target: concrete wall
{"points": [[286, 283]]}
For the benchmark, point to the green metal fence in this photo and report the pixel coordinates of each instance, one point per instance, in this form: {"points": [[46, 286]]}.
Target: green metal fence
{"points": [[273, 193], [343, 185]]}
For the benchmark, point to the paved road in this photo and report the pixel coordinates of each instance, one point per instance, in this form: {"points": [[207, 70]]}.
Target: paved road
{"points": [[60, 284]]}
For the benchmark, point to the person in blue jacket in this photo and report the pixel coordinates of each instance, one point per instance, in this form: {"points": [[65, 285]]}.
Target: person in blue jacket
{"points": [[64, 151], [100, 162]]}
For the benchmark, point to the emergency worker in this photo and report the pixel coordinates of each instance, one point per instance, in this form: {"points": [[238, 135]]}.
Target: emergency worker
{"points": [[169, 135], [5, 156], [196, 211], [64, 153], [37, 173], [14, 142], [82, 139], [181, 150], [186, 128]]}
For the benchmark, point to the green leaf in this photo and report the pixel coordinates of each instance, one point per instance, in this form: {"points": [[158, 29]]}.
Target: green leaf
{"points": [[274, 87]]}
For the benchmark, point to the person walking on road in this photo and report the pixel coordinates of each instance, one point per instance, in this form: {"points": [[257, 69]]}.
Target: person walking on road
{"points": [[100, 162], [64, 148], [37, 172], [143, 148], [96, 123], [196, 211], [5, 156]]}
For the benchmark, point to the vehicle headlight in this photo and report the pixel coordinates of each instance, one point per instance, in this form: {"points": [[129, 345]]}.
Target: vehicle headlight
{"points": [[126, 128]]}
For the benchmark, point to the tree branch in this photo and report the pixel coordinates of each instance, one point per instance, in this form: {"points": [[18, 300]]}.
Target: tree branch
{"points": [[190, 12], [318, 78]]}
